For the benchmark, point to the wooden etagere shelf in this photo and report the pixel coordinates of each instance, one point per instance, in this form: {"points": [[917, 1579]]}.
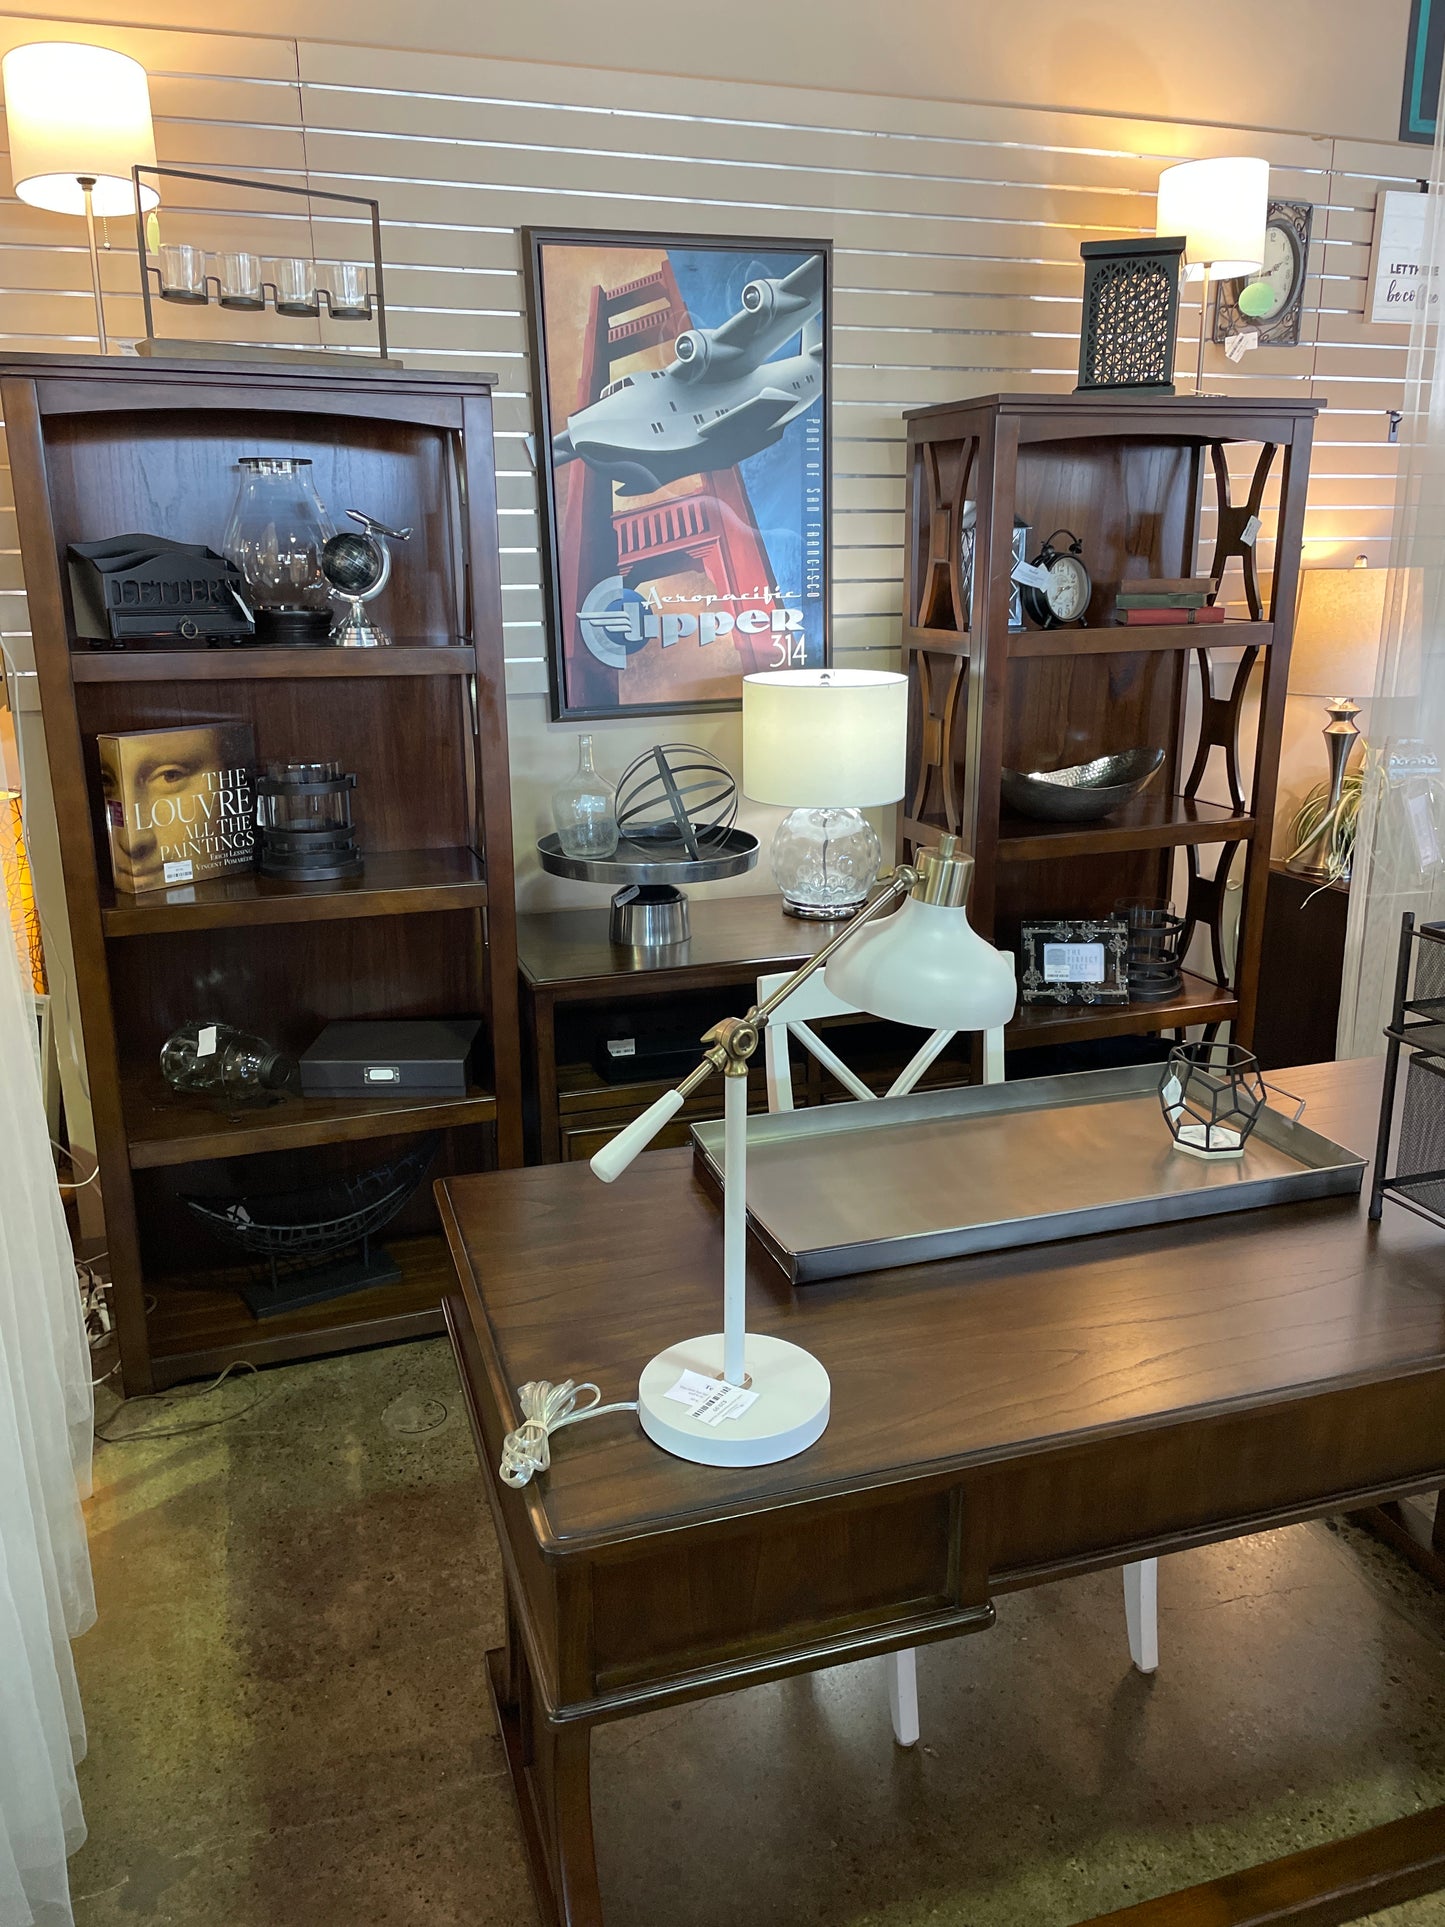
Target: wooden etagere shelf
{"points": [[427, 929], [1129, 478]]}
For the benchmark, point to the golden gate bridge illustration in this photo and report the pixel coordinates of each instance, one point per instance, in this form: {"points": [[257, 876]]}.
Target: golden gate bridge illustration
{"points": [[710, 528]]}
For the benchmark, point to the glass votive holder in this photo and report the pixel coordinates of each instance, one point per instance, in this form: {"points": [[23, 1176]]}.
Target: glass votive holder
{"points": [[183, 273], [295, 285], [240, 277], [348, 289]]}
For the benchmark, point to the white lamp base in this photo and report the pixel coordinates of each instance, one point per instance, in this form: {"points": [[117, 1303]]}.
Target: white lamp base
{"points": [[789, 1414]]}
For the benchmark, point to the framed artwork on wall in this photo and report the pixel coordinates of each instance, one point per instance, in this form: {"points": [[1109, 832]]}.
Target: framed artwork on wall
{"points": [[681, 389]]}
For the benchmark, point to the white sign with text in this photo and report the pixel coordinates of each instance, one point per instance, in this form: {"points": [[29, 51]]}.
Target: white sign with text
{"points": [[1397, 257]]}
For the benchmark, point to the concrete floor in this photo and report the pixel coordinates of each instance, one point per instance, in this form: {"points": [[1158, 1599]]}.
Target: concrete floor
{"points": [[288, 1725]]}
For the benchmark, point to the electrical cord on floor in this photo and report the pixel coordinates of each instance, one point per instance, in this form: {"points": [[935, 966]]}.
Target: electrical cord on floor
{"points": [[546, 1408], [139, 1435]]}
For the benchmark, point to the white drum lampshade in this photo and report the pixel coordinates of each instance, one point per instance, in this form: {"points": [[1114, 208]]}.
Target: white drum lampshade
{"points": [[825, 743], [77, 113], [825, 738], [1221, 207]]}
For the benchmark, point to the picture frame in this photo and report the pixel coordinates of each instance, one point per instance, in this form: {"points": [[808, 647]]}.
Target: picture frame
{"points": [[1398, 245], [1420, 94], [1294, 220], [1074, 960], [666, 582]]}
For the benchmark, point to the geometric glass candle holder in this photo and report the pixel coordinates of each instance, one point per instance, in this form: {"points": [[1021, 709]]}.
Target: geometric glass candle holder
{"points": [[1211, 1096]]}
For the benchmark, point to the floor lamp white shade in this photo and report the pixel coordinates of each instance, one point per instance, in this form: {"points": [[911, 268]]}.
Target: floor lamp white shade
{"points": [[78, 118], [1221, 207]]}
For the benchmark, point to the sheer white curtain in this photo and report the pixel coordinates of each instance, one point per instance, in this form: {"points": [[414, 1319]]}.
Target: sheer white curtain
{"points": [[45, 1442], [1400, 851]]}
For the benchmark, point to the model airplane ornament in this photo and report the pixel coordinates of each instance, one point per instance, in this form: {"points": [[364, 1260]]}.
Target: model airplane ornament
{"points": [[718, 401]]}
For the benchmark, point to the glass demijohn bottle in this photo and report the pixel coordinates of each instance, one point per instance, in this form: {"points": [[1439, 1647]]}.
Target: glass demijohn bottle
{"points": [[584, 808], [221, 1061]]}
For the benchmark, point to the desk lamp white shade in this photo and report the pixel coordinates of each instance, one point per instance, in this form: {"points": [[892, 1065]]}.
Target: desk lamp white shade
{"points": [[926, 965], [1221, 208], [923, 966], [826, 743], [79, 118]]}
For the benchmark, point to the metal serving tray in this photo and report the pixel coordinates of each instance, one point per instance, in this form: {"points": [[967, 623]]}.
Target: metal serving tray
{"points": [[848, 1188]]}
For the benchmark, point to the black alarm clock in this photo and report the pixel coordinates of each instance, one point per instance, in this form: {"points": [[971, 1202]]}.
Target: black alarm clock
{"points": [[1065, 597]]}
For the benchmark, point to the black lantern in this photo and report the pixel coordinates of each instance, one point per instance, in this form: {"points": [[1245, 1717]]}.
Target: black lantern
{"points": [[303, 813], [1131, 315], [1156, 940]]}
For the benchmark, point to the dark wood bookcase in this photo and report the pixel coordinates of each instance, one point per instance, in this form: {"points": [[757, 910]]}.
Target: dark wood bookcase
{"points": [[1128, 477], [103, 447]]}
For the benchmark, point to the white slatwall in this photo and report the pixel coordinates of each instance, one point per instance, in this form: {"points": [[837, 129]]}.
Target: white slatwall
{"points": [[956, 232]]}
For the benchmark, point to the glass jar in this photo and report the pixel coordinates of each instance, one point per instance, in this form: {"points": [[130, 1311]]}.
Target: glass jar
{"points": [[585, 809], [223, 1062], [183, 273], [275, 536], [295, 285], [240, 277], [348, 289]]}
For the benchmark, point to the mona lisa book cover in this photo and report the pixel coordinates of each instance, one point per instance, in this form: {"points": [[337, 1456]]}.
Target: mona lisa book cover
{"points": [[179, 803]]}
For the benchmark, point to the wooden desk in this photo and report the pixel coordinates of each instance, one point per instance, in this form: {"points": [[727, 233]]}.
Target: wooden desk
{"points": [[997, 1422]]}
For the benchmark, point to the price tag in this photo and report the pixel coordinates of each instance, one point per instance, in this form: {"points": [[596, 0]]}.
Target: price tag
{"points": [[622, 1047], [206, 1041], [181, 872], [711, 1400], [1238, 346], [1249, 534], [1073, 963], [1032, 575]]}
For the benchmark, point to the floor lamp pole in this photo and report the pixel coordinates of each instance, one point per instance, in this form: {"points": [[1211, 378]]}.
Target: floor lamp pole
{"points": [[735, 1221], [1203, 319], [87, 188]]}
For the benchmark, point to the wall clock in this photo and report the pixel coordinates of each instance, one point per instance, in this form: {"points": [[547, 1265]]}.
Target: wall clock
{"points": [[1272, 300]]}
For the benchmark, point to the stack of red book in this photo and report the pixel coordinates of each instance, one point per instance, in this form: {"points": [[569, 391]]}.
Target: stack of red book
{"points": [[1169, 599]]}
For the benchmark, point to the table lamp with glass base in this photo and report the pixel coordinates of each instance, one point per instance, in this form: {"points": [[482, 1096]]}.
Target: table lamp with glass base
{"points": [[826, 744], [924, 966]]}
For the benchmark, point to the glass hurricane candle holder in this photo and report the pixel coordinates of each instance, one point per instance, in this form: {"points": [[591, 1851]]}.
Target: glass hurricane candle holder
{"points": [[1211, 1096], [276, 535]]}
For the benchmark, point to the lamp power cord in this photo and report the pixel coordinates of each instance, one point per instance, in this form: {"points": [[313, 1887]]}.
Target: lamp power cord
{"points": [[546, 1408]]}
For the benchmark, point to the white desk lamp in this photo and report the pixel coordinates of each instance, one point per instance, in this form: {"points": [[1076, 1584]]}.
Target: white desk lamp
{"points": [[1221, 207], [924, 966], [78, 118]]}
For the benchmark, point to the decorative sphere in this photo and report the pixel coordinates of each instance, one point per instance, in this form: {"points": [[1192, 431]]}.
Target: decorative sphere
{"points": [[706, 791], [352, 563]]}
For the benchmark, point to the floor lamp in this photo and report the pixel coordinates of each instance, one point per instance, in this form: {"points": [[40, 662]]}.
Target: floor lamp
{"points": [[79, 117], [1221, 206]]}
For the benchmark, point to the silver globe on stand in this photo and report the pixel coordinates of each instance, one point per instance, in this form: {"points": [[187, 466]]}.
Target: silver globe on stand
{"points": [[677, 809], [358, 567]]}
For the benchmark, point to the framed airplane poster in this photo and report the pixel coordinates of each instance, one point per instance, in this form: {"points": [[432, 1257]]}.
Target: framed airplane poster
{"points": [[682, 452]]}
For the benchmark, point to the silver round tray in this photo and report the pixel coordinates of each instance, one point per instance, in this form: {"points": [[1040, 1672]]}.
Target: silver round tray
{"points": [[639, 862]]}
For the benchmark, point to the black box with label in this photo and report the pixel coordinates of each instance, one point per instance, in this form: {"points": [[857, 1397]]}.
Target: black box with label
{"points": [[385, 1057]]}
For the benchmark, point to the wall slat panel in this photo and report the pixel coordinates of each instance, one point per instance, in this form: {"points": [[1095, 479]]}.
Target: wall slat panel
{"points": [[956, 231]]}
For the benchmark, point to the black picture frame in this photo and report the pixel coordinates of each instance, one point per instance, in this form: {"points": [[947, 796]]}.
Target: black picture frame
{"points": [[1284, 330], [1036, 938], [583, 696]]}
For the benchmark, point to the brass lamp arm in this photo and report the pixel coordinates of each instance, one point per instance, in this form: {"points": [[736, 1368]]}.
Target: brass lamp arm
{"points": [[732, 1042], [734, 1039]]}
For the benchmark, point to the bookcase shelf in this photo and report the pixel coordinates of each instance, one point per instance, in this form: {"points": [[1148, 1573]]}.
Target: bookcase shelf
{"points": [[393, 883], [1127, 476], [428, 929], [265, 663]]}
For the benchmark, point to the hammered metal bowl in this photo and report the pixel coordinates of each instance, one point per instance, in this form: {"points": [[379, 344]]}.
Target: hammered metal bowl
{"points": [[1085, 792]]}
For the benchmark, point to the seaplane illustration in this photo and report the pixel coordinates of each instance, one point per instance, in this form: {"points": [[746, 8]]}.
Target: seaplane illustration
{"points": [[719, 400]]}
